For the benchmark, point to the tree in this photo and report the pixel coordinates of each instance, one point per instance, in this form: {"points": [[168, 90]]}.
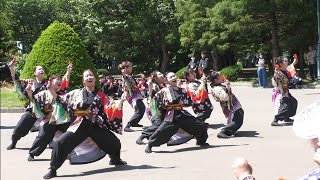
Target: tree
{"points": [[55, 47]]}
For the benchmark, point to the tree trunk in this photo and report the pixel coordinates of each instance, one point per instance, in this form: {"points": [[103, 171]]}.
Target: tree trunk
{"points": [[165, 58], [275, 39], [215, 60], [301, 62]]}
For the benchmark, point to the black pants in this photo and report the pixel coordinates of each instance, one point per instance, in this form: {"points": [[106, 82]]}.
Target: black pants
{"points": [[180, 120], [235, 124], [202, 116], [24, 125], [313, 71], [45, 136], [288, 108], [104, 138], [155, 123], [139, 110]]}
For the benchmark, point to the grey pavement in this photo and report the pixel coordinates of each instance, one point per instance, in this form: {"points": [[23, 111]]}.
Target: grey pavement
{"points": [[273, 151]]}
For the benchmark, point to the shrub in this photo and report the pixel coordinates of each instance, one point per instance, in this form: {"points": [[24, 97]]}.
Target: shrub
{"points": [[102, 72], [179, 73], [231, 72], [54, 48]]}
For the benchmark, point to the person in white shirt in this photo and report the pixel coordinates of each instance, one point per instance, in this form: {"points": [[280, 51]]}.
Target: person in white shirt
{"points": [[311, 57], [262, 73]]}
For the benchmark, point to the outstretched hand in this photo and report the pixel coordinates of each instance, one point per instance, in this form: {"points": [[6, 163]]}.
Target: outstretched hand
{"points": [[69, 68]]}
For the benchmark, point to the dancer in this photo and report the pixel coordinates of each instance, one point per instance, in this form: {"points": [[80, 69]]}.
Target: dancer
{"points": [[231, 107], [86, 108], [47, 106], [155, 84], [133, 95], [39, 84], [171, 100], [201, 104], [287, 104]]}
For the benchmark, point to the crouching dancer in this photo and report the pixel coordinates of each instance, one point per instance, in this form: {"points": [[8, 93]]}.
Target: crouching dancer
{"points": [[172, 99], [231, 107], [86, 108]]}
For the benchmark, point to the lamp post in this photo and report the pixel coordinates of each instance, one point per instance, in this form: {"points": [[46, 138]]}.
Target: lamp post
{"points": [[318, 46]]}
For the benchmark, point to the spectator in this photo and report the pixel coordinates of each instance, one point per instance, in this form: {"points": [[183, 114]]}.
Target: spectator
{"points": [[242, 169], [307, 126], [110, 88], [262, 73], [143, 86], [193, 64], [203, 64], [311, 57]]}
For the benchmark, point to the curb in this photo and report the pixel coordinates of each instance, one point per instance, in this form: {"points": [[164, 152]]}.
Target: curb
{"points": [[254, 85], [12, 110]]}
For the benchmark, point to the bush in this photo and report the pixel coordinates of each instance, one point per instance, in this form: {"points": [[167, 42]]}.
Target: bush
{"points": [[102, 72], [54, 48], [179, 73], [231, 72]]}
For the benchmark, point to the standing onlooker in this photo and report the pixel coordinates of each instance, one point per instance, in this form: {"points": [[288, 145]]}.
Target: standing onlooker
{"points": [[193, 64], [311, 57], [143, 86], [203, 64], [262, 73]]}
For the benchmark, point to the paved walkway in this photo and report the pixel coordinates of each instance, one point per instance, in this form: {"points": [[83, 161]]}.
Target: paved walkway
{"points": [[273, 151]]}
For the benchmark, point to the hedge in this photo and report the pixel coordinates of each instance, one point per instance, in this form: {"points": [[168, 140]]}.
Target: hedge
{"points": [[58, 44], [231, 72]]}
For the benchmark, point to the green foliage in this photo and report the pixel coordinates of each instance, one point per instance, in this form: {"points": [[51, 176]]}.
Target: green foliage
{"points": [[179, 73], [102, 72], [231, 72], [55, 47]]}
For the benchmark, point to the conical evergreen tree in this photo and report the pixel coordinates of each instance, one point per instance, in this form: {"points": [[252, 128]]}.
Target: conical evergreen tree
{"points": [[58, 44]]}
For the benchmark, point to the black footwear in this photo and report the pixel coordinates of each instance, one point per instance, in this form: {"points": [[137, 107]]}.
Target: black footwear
{"points": [[31, 157], [34, 129], [127, 129], [12, 145], [289, 120], [51, 174], [117, 162], [140, 140], [223, 135], [203, 144], [148, 149], [136, 125], [274, 123], [50, 145]]}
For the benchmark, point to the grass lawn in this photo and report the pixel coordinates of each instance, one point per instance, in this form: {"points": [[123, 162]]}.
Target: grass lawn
{"points": [[10, 98]]}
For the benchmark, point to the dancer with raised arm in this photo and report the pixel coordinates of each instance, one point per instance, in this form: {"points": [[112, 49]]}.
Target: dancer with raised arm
{"points": [[285, 104], [46, 105], [87, 110], [231, 107], [132, 94], [172, 99], [37, 85]]}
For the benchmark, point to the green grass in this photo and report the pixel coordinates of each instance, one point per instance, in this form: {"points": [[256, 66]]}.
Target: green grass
{"points": [[10, 98]]}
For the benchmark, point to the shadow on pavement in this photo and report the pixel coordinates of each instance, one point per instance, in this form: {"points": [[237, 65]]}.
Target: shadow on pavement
{"points": [[117, 168], [41, 160], [216, 126], [312, 93], [22, 148], [248, 134], [195, 148], [7, 127]]}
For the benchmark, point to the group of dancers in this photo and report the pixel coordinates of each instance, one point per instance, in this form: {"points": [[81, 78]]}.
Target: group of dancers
{"points": [[82, 122]]}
